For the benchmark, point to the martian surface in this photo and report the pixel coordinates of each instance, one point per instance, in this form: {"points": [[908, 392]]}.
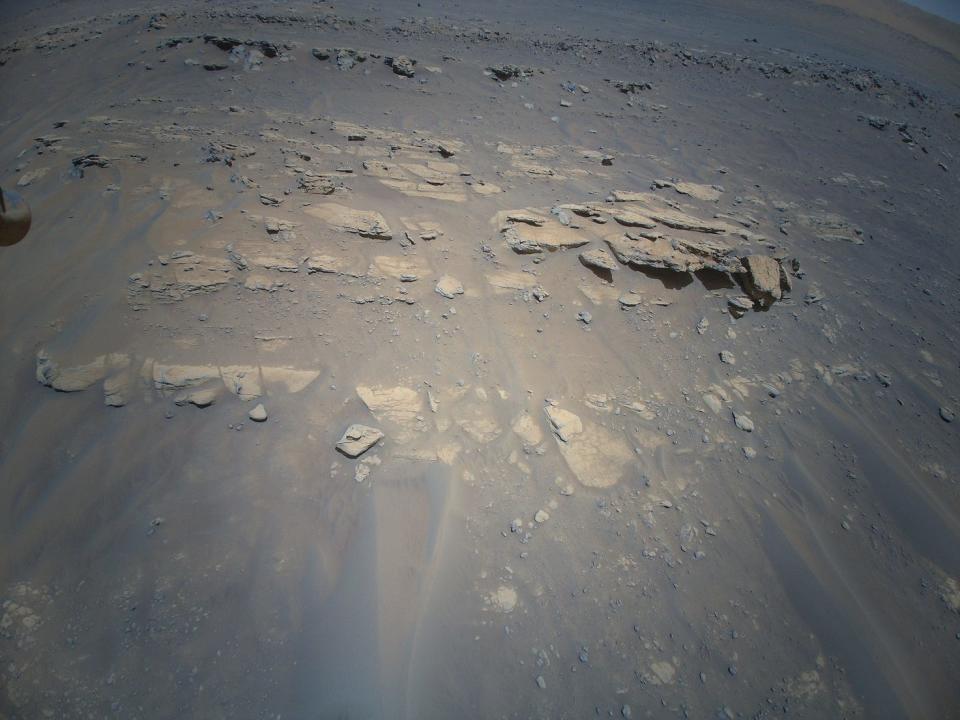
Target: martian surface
{"points": [[480, 360]]}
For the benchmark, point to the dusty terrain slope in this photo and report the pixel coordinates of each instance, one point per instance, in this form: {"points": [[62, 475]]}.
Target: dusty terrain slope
{"points": [[496, 360]]}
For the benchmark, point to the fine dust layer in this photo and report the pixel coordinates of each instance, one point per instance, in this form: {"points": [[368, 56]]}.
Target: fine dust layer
{"points": [[427, 361]]}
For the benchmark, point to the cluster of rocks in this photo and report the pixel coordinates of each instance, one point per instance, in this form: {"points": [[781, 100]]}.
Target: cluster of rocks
{"points": [[509, 72], [227, 153], [269, 49], [345, 58]]}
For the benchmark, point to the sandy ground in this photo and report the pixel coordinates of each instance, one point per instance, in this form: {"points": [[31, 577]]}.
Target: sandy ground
{"points": [[649, 315]]}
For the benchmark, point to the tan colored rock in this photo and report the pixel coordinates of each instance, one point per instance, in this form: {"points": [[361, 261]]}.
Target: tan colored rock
{"points": [[565, 423], [707, 193], [598, 457], [632, 219], [199, 398], [449, 287], [525, 239], [676, 254], [242, 380], [528, 429], [599, 259], [763, 279], [681, 221], [366, 223], [177, 377], [357, 439], [399, 405], [69, 379], [291, 380]]}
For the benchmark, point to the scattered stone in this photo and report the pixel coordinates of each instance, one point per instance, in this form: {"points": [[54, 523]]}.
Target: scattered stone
{"points": [[749, 453], [742, 421], [947, 414], [258, 414], [357, 439], [541, 517], [702, 325], [727, 357], [585, 317]]}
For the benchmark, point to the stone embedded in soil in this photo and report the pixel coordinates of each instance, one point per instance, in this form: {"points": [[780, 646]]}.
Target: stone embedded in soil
{"points": [[449, 287], [565, 423], [357, 439], [742, 421], [365, 223]]}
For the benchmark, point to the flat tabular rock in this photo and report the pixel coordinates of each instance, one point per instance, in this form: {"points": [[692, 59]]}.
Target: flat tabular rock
{"points": [[449, 287], [366, 223], [597, 456], [177, 377], [707, 193], [357, 439], [763, 279], [518, 216], [599, 259], [630, 299], [681, 221], [399, 405], [528, 429], [631, 219], [676, 254], [258, 414], [69, 379], [525, 239], [199, 398]]}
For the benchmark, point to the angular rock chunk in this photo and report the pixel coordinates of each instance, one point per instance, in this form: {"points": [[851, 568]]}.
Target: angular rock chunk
{"points": [[599, 259], [763, 279], [357, 439]]}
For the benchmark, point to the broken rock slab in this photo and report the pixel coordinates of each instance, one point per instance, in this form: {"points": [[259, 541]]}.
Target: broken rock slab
{"points": [[365, 223], [565, 423], [677, 254], [357, 439], [763, 279], [599, 259]]}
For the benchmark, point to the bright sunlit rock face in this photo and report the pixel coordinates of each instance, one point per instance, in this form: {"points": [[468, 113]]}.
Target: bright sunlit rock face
{"points": [[456, 361]]}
